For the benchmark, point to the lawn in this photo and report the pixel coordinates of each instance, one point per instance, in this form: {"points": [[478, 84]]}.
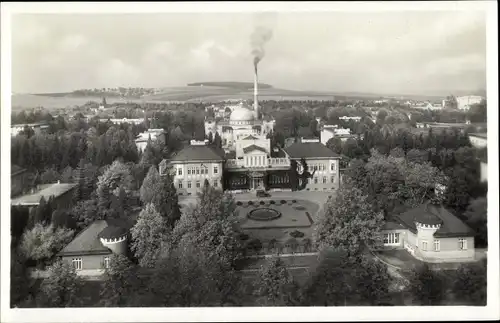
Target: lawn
{"points": [[293, 217]]}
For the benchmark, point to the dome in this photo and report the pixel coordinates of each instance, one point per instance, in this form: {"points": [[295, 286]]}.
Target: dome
{"points": [[241, 114]]}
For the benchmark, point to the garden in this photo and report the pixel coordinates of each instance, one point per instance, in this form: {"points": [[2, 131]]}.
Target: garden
{"points": [[276, 226]]}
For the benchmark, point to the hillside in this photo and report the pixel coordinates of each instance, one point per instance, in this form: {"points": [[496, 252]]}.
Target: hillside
{"points": [[232, 85]]}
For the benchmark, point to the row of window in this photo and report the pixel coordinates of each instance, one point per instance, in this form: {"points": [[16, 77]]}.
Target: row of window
{"points": [[319, 167], [393, 238], [78, 263], [325, 180], [256, 160], [198, 184], [279, 179], [197, 171]]}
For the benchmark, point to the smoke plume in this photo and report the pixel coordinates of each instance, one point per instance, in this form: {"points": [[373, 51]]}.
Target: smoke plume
{"points": [[260, 36]]}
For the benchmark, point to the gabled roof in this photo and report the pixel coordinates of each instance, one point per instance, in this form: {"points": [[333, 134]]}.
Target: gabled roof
{"points": [[479, 135], [430, 214], [88, 240], [310, 150], [48, 191], [197, 153], [252, 148], [250, 138]]}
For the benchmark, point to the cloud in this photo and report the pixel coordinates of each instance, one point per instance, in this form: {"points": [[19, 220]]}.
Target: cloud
{"points": [[408, 52]]}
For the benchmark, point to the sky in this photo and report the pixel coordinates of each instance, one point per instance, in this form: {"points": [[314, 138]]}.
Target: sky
{"points": [[425, 52]]}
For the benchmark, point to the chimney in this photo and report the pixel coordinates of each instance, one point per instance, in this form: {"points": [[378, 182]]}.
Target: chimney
{"points": [[255, 93]]}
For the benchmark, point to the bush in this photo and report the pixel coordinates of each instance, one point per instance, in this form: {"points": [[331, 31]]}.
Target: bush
{"points": [[250, 203], [293, 244], [255, 245], [262, 203], [272, 202], [307, 243], [244, 237], [239, 203], [294, 201], [283, 202], [297, 234], [272, 244]]}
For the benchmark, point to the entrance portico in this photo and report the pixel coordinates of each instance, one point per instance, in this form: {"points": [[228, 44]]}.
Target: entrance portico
{"points": [[256, 180]]}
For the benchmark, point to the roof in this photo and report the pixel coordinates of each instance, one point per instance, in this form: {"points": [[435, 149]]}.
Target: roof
{"points": [[16, 170], [390, 225], [479, 135], [88, 241], [197, 153], [252, 148], [430, 214], [310, 150], [47, 191], [250, 138]]}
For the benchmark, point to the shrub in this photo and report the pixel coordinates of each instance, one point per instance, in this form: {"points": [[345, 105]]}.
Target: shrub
{"points": [[307, 243], [239, 203], [262, 203], [293, 244], [283, 202], [272, 202], [294, 201], [297, 234], [272, 244], [255, 245], [250, 203], [244, 237]]}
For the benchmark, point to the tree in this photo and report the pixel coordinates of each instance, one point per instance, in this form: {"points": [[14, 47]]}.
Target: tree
{"points": [[150, 185], [357, 173], [120, 282], [470, 283], [397, 153], [477, 218], [85, 213], [210, 138], [348, 222], [67, 175], [275, 286], [148, 155], [148, 236], [335, 144], [427, 286], [166, 200], [115, 177], [217, 140], [371, 281], [43, 242], [62, 287], [20, 279]]}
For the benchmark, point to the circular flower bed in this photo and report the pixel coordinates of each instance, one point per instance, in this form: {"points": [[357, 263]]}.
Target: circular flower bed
{"points": [[272, 202], [297, 234], [262, 203], [263, 214], [299, 207], [239, 203], [283, 202]]}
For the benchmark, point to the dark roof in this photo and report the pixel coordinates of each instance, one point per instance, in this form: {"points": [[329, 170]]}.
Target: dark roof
{"points": [[250, 138], [230, 155], [197, 153], [47, 191], [310, 150], [390, 225], [88, 241], [16, 170], [430, 214], [479, 135], [252, 148], [278, 154]]}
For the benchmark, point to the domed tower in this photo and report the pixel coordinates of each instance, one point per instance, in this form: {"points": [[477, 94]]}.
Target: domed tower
{"points": [[114, 237]]}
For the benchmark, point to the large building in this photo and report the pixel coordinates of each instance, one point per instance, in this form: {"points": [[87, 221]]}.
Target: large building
{"points": [[15, 129], [430, 233], [62, 193], [465, 102], [478, 140], [142, 139]]}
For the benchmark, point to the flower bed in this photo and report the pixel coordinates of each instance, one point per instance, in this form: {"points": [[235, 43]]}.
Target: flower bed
{"points": [[263, 214]]}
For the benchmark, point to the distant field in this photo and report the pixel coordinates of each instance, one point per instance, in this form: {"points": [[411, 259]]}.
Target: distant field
{"points": [[173, 94]]}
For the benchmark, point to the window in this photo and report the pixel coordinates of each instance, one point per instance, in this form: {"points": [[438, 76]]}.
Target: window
{"points": [[333, 179], [324, 179], [77, 263], [462, 244], [180, 185], [197, 171], [106, 262], [189, 171], [332, 166], [424, 245], [391, 238], [179, 171], [189, 184], [315, 180], [437, 245], [215, 183], [198, 184], [216, 170]]}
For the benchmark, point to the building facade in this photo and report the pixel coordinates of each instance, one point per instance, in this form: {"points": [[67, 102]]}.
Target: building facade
{"points": [[247, 162], [478, 140], [430, 233], [465, 102], [142, 139]]}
